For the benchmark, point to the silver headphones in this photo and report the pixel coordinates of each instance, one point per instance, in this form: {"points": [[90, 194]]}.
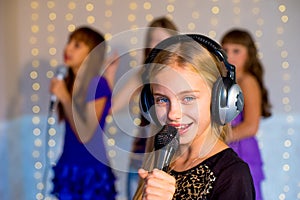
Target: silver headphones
{"points": [[227, 97]]}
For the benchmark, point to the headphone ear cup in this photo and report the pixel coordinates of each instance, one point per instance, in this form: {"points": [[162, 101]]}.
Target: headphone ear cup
{"points": [[218, 89], [146, 102], [235, 102], [227, 101]]}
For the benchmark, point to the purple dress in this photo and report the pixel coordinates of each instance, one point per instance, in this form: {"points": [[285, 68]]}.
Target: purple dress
{"points": [[83, 170], [248, 150]]}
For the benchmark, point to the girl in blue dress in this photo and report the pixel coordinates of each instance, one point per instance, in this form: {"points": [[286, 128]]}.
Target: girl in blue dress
{"points": [[83, 170]]}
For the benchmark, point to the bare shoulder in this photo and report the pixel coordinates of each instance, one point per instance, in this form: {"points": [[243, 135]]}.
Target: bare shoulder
{"points": [[248, 82]]}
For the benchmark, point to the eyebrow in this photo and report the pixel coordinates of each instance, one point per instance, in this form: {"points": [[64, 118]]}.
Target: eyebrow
{"points": [[181, 93]]}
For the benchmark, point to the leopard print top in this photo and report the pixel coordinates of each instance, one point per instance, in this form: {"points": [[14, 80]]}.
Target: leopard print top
{"points": [[195, 183]]}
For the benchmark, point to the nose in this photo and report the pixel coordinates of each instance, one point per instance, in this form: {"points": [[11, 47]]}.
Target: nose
{"points": [[174, 112], [67, 47], [230, 57]]}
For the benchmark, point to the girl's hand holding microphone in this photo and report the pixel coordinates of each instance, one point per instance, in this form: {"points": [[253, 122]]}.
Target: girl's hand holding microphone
{"points": [[158, 184]]}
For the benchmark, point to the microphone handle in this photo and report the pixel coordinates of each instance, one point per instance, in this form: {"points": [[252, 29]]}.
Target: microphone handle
{"points": [[52, 103], [53, 98], [163, 157]]}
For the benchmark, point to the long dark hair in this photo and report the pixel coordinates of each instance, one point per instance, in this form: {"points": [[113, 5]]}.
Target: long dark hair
{"points": [[253, 65], [92, 39], [160, 22]]}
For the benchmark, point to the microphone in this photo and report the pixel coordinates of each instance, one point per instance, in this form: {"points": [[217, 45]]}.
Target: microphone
{"points": [[166, 143], [60, 74]]}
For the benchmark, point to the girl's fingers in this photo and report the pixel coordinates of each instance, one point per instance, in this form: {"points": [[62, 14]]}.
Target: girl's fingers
{"points": [[158, 184], [143, 173], [164, 176]]}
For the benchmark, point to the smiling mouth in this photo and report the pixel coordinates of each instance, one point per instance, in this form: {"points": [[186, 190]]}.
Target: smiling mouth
{"points": [[182, 128]]}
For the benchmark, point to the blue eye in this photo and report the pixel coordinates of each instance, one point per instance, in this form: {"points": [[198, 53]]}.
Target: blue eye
{"points": [[188, 99], [161, 100]]}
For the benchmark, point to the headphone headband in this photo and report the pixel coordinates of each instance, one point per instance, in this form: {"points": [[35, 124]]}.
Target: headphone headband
{"points": [[208, 43]]}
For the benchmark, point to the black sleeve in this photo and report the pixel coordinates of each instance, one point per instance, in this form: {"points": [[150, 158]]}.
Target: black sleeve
{"points": [[234, 183]]}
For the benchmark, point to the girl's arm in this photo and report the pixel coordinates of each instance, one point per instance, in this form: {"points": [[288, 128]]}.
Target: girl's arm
{"points": [[83, 121], [85, 127], [111, 66], [125, 93], [252, 110]]}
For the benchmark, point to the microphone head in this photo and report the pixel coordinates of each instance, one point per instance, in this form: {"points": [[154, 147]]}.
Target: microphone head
{"points": [[168, 135], [61, 72]]}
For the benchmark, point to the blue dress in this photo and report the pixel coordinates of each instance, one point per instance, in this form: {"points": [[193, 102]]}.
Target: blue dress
{"points": [[83, 170]]}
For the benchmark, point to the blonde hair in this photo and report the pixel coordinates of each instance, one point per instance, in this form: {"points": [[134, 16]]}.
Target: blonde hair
{"points": [[192, 56]]}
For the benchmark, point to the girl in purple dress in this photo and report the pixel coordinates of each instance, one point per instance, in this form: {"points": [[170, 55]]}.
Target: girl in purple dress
{"points": [[242, 53], [83, 170]]}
